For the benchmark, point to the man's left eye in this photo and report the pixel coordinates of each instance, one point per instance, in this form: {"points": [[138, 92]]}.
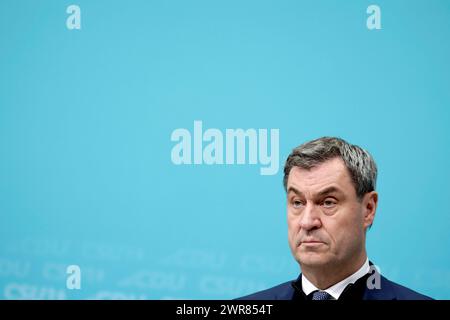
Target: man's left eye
{"points": [[329, 203]]}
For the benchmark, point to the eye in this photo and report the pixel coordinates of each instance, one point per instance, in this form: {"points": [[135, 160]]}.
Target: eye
{"points": [[329, 203], [296, 203]]}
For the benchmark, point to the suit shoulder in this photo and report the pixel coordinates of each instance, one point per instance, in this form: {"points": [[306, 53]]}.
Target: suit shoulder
{"points": [[283, 291], [403, 293]]}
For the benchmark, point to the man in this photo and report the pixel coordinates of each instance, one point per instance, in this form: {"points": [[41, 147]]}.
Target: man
{"points": [[331, 202]]}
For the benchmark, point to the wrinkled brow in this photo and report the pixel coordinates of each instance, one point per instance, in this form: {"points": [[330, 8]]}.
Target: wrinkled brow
{"points": [[320, 193]]}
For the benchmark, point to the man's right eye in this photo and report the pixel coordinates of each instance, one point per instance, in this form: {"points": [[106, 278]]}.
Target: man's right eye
{"points": [[296, 203]]}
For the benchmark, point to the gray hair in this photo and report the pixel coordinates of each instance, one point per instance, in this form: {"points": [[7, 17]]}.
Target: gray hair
{"points": [[359, 162]]}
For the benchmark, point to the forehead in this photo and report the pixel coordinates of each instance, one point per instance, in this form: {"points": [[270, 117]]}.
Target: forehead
{"points": [[330, 173]]}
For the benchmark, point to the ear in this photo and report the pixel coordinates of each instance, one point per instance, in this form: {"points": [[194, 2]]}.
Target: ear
{"points": [[370, 202]]}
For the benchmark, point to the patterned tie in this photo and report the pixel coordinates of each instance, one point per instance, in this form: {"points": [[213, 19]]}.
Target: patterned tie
{"points": [[321, 295]]}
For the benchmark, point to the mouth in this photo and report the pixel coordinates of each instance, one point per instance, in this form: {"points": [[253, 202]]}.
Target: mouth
{"points": [[311, 243]]}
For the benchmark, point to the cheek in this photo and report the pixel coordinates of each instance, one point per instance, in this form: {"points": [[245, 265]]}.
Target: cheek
{"points": [[345, 227], [292, 226], [347, 232]]}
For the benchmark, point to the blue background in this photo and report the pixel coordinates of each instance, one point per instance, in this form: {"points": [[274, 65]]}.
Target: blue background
{"points": [[86, 116]]}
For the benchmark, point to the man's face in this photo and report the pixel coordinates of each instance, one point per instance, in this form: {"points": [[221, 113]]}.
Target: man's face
{"points": [[326, 220]]}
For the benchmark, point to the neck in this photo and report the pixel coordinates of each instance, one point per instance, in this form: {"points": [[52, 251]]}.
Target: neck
{"points": [[326, 276]]}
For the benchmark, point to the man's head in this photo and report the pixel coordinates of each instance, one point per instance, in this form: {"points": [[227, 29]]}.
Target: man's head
{"points": [[331, 202]]}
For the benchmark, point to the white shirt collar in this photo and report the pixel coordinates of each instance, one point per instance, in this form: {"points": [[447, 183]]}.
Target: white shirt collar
{"points": [[336, 290]]}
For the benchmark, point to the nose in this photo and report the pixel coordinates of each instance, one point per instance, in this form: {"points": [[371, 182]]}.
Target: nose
{"points": [[310, 218]]}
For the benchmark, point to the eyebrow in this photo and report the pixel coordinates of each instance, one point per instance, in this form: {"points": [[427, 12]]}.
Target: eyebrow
{"points": [[320, 193]]}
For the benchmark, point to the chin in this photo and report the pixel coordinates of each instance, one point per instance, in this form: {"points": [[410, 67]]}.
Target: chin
{"points": [[313, 259]]}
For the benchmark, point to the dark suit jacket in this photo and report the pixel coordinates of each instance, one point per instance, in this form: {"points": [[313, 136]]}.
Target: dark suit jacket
{"points": [[389, 290]]}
